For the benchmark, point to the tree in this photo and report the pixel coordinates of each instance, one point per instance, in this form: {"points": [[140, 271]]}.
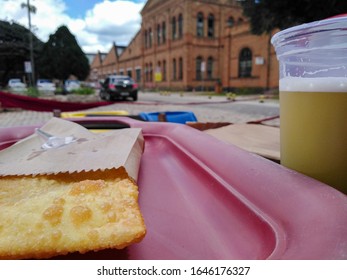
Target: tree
{"points": [[14, 50], [266, 15], [62, 57]]}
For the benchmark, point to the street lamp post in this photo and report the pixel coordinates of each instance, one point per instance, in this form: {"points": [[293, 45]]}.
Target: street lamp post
{"points": [[30, 9]]}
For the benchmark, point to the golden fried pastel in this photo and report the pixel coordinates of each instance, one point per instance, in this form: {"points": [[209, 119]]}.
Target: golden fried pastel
{"points": [[45, 216]]}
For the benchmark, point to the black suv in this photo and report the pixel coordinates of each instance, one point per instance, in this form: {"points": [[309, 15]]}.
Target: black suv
{"points": [[118, 87]]}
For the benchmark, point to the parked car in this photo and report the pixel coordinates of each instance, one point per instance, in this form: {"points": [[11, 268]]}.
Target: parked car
{"points": [[16, 84], [70, 85], [118, 87], [45, 85]]}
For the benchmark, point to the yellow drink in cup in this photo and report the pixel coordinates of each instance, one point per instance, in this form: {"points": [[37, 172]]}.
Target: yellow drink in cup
{"points": [[314, 128], [313, 99]]}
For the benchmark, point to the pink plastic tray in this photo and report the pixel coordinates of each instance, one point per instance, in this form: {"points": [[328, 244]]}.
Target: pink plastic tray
{"points": [[204, 199]]}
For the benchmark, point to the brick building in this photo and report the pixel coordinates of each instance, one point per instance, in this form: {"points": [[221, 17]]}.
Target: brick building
{"points": [[193, 44]]}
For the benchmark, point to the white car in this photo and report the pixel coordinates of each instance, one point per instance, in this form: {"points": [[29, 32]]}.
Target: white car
{"points": [[70, 85], [16, 84], [45, 85]]}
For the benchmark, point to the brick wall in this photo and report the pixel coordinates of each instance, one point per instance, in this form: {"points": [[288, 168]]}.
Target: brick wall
{"points": [[145, 56]]}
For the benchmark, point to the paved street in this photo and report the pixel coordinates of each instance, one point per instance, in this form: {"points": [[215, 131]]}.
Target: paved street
{"points": [[206, 108]]}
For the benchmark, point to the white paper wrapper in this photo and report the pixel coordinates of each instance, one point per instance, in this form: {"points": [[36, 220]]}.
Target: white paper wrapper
{"points": [[88, 152]]}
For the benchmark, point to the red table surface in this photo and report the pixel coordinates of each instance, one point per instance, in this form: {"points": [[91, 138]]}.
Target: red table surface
{"points": [[204, 199]]}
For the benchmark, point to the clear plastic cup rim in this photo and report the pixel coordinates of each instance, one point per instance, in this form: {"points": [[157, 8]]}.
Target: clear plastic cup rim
{"points": [[338, 22]]}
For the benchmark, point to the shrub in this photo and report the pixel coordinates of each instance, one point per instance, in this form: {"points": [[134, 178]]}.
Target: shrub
{"points": [[33, 92], [83, 91]]}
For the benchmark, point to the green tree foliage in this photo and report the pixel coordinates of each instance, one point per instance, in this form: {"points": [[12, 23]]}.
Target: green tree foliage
{"points": [[265, 15], [62, 57], [14, 50]]}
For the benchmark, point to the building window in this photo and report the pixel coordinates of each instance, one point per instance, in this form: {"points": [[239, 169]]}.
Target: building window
{"points": [[164, 70], [163, 30], [230, 22], [210, 26], [146, 39], [174, 70], [245, 63], [158, 34], [150, 36], [138, 75], [146, 72], [200, 25], [174, 28], [129, 73], [198, 64], [180, 68], [158, 71], [209, 68], [151, 72], [180, 26]]}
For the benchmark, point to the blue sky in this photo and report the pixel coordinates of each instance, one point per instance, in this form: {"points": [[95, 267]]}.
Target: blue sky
{"points": [[96, 24], [78, 8]]}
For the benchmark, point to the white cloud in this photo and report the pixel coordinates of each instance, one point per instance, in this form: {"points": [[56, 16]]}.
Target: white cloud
{"points": [[118, 13], [108, 21], [49, 15]]}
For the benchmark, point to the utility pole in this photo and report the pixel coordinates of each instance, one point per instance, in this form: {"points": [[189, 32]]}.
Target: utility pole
{"points": [[30, 9]]}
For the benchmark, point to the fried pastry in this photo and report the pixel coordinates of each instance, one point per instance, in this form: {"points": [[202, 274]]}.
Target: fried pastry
{"points": [[49, 215]]}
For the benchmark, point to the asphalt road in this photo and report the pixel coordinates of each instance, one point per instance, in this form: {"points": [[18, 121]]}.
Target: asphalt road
{"points": [[250, 105], [216, 108]]}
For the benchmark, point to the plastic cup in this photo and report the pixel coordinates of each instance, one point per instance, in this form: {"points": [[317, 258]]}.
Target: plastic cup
{"points": [[313, 99]]}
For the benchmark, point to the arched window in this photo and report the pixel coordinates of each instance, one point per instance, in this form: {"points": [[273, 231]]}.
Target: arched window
{"points": [[210, 26], [174, 70], [180, 26], [200, 25], [174, 29], [150, 36], [180, 68], [245, 63], [209, 68], [159, 66], [146, 73], [146, 39], [164, 70], [151, 72], [198, 72], [158, 34], [163, 30]]}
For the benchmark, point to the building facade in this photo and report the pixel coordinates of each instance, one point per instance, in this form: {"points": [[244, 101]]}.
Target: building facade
{"points": [[193, 45]]}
